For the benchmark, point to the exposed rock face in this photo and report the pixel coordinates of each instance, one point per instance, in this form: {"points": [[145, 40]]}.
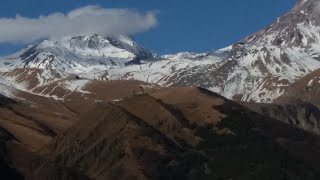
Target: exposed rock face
{"points": [[305, 89]]}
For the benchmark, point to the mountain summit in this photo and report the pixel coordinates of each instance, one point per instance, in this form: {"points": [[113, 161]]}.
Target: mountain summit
{"points": [[261, 66], [80, 54], [258, 68]]}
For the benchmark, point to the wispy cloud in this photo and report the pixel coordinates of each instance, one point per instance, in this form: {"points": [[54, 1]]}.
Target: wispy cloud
{"points": [[82, 21]]}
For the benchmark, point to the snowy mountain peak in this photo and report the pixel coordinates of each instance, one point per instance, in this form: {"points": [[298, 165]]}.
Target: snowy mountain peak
{"points": [[257, 68], [298, 27], [260, 66], [80, 54]]}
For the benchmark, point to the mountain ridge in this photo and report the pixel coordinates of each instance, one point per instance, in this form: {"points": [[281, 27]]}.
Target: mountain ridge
{"points": [[258, 68]]}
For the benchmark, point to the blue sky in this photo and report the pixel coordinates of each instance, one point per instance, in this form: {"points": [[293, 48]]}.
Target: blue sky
{"points": [[183, 25]]}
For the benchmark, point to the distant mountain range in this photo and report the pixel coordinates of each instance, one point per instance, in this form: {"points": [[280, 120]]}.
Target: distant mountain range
{"points": [[95, 107], [264, 67], [258, 68]]}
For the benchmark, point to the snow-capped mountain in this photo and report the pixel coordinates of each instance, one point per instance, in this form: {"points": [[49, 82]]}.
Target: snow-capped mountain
{"points": [[262, 65], [80, 54], [257, 68], [183, 56], [95, 57], [215, 54]]}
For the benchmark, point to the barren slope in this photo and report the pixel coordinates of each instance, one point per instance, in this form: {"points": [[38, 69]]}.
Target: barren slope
{"points": [[165, 135]]}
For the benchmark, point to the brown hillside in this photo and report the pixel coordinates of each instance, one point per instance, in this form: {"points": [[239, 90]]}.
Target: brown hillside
{"points": [[159, 136]]}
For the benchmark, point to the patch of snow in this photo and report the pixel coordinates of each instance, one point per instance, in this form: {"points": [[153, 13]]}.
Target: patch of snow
{"points": [[76, 85]]}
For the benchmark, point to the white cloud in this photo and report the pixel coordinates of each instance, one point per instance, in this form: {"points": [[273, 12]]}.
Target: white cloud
{"points": [[82, 21]]}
